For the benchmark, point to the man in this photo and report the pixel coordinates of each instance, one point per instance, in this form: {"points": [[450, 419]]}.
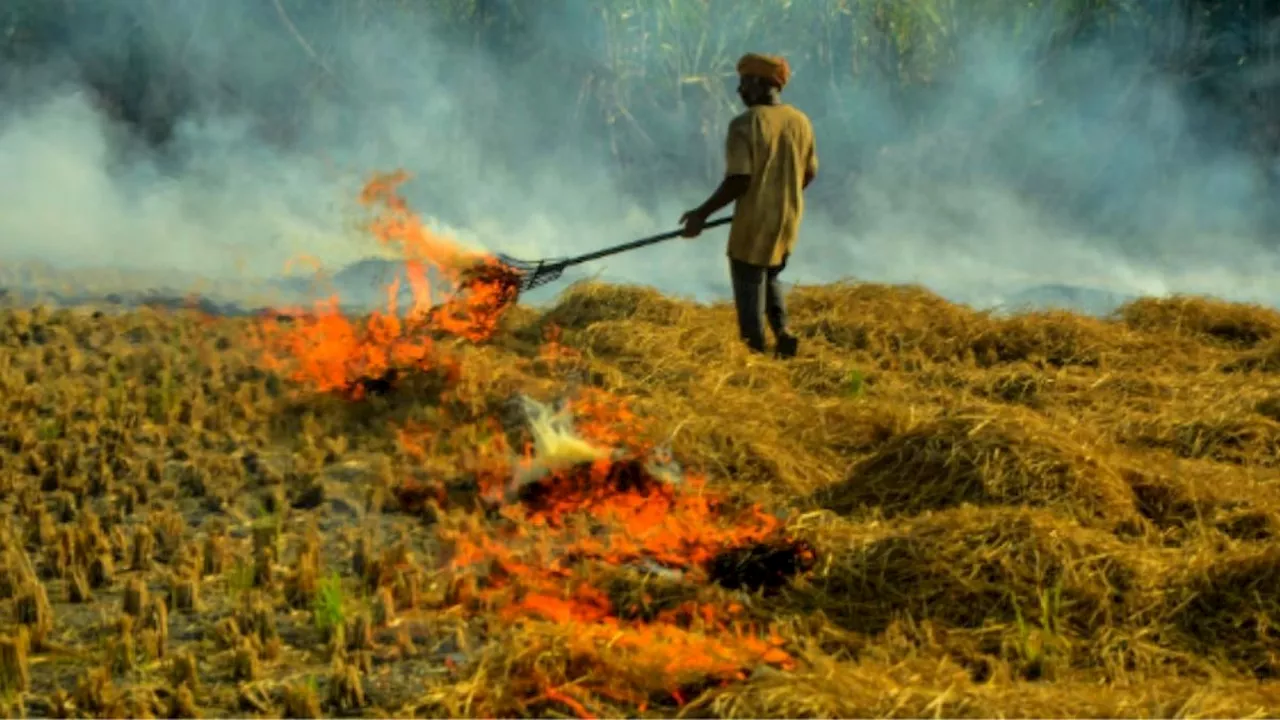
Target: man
{"points": [[770, 158]]}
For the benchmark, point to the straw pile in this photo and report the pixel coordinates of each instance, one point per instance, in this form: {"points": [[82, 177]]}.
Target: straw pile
{"points": [[1234, 325], [969, 567], [1228, 607], [985, 456]]}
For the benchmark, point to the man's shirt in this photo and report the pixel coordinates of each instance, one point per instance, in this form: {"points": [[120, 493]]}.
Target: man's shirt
{"points": [[774, 144]]}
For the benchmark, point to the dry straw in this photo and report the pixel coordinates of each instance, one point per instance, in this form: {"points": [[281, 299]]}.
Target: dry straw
{"points": [[1043, 514]]}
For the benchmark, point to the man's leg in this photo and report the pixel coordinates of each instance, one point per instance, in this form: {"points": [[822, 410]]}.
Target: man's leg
{"points": [[748, 296], [775, 308]]}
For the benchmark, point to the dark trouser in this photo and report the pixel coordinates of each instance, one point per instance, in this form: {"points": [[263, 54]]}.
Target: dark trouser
{"points": [[756, 293]]}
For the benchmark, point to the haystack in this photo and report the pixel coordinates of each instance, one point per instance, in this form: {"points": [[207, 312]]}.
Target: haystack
{"points": [[783, 443], [1265, 358], [1018, 386], [920, 687], [586, 303], [985, 455], [933, 688], [1186, 498], [894, 323], [1228, 607], [971, 567], [1230, 324], [1054, 339], [660, 354], [1238, 438], [899, 325]]}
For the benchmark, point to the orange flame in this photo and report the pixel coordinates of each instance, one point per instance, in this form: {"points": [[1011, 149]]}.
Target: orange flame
{"points": [[329, 352], [614, 513]]}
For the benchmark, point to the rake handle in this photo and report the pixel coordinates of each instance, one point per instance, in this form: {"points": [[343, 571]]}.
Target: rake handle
{"points": [[578, 260]]}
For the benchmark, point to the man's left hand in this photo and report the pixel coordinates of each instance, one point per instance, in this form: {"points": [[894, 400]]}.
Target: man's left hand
{"points": [[693, 222]]}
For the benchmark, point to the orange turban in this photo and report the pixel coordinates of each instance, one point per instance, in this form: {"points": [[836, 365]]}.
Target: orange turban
{"points": [[773, 68]]}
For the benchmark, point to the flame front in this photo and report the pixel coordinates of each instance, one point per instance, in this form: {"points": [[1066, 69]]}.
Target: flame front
{"points": [[326, 350], [572, 554]]}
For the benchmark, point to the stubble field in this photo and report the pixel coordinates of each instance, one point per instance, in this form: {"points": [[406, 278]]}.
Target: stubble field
{"points": [[611, 508]]}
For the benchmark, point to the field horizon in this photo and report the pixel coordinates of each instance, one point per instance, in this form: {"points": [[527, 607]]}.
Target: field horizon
{"points": [[361, 287]]}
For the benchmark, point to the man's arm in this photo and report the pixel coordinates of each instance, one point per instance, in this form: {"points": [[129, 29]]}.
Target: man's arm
{"points": [[737, 178], [731, 188]]}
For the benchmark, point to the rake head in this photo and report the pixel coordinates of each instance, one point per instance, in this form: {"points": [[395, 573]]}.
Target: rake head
{"points": [[533, 274]]}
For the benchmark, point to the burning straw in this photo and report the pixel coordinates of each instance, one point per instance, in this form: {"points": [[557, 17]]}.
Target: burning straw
{"points": [[331, 352], [604, 563]]}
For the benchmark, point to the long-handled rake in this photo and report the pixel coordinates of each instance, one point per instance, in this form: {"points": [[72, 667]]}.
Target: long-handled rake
{"points": [[540, 272]]}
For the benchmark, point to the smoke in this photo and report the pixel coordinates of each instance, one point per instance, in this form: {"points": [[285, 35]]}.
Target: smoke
{"points": [[1085, 171], [263, 120]]}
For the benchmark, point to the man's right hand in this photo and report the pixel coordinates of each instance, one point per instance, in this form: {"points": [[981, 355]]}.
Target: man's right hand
{"points": [[693, 222]]}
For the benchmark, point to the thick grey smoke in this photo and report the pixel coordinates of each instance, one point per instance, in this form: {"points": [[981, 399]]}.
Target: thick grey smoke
{"points": [[1082, 170]]}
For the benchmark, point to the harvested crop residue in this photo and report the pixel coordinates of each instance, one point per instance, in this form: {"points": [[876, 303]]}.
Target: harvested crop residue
{"points": [[467, 508]]}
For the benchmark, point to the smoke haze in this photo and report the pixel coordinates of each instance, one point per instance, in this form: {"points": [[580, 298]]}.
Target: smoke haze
{"points": [[1090, 169]]}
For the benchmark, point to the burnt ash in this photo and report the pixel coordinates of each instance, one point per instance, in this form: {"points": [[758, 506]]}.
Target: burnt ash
{"points": [[379, 385], [629, 476], [766, 566], [414, 496]]}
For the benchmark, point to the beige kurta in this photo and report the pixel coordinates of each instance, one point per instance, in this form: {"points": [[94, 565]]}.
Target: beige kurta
{"points": [[774, 144]]}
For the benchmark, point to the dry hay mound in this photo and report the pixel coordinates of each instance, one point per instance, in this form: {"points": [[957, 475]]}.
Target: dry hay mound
{"points": [[1186, 499], [587, 303], [1262, 359], [1227, 607], [1055, 339], [925, 687], [660, 353], [1018, 385], [1239, 439], [759, 454], [1236, 325], [971, 567], [1268, 407], [985, 456], [832, 689], [903, 325], [886, 321]]}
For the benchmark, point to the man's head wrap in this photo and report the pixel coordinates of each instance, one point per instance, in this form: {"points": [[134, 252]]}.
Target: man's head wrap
{"points": [[773, 68]]}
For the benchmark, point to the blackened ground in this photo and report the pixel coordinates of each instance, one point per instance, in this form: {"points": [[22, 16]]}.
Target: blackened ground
{"points": [[764, 566], [581, 483]]}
